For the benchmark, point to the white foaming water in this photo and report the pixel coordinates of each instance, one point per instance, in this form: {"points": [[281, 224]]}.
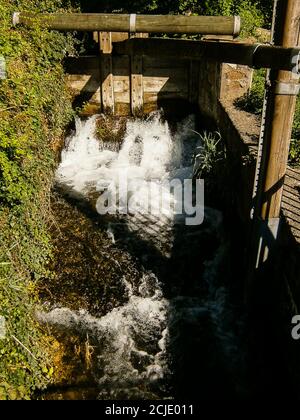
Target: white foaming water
{"points": [[83, 158], [148, 152], [131, 340], [149, 156]]}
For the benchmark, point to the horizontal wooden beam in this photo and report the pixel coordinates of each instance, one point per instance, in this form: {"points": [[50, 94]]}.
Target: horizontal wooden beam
{"points": [[212, 25], [252, 55]]}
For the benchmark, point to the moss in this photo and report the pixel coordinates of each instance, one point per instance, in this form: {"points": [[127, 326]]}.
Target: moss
{"points": [[35, 107], [111, 129]]}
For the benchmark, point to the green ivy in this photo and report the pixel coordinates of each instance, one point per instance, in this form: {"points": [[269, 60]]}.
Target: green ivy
{"points": [[35, 108]]}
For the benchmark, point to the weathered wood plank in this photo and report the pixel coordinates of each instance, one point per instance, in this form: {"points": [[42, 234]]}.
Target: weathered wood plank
{"points": [[218, 25], [293, 172], [121, 71], [87, 84], [137, 85], [154, 84], [105, 42], [292, 180], [121, 84], [78, 78], [96, 37], [155, 97], [292, 188], [294, 211], [122, 97], [107, 85], [165, 84], [293, 218], [291, 200]]}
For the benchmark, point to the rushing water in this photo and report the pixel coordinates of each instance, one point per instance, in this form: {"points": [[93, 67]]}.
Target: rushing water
{"points": [[176, 325]]}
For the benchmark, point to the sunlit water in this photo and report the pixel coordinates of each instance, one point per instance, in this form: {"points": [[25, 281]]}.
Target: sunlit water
{"points": [[141, 345]]}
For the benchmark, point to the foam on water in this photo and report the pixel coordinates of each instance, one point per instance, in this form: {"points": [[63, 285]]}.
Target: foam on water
{"points": [[83, 158], [149, 155], [133, 341]]}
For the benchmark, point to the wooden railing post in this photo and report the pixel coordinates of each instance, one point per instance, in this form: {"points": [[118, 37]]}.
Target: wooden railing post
{"points": [[282, 90], [137, 90], [107, 82]]}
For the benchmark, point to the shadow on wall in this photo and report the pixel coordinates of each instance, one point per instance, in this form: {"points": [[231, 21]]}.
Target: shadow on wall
{"points": [[194, 352], [274, 355]]}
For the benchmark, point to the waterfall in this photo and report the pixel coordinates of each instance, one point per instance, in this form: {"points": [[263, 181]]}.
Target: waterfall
{"points": [[138, 343], [150, 158], [131, 341]]}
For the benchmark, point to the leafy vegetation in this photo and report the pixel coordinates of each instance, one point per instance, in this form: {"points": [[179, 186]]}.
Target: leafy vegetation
{"points": [[254, 13], [253, 102], [34, 110], [211, 164], [208, 154]]}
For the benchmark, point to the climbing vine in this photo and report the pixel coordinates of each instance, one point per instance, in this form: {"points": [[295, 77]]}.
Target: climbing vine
{"points": [[34, 110]]}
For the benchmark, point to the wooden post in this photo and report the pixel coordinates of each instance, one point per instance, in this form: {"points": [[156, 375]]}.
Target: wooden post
{"points": [[107, 82], [218, 25], [96, 37], [275, 134], [136, 76], [137, 92]]}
